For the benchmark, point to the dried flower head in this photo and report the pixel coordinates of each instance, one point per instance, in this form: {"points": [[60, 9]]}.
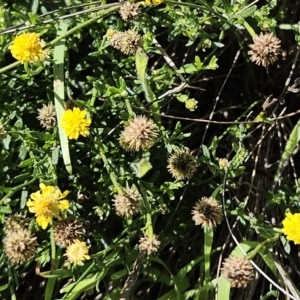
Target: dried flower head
{"points": [[207, 212], [265, 49], [15, 222], [28, 47], [148, 246], [75, 123], [19, 245], [77, 252], [291, 225], [128, 204], [67, 231], [127, 42], [238, 271], [139, 134], [182, 165], [129, 11], [47, 116], [47, 203], [2, 132]]}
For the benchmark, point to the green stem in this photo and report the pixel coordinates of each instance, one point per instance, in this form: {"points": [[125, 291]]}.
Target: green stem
{"points": [[148, 226], [31, 72], [11, 285], [114, 7], [129, 108], [208, 239], [84, 274], [15, 189], [111, 174], [273, 239]]}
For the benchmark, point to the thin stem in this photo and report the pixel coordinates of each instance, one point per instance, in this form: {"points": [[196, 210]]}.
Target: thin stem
{"points": [[11, 285], [148, 226], [84, 24], [111, 174]]}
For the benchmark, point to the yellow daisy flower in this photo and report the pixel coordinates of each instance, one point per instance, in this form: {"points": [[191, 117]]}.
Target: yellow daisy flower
{"points": [[154, 2], [75, 123], [47, 203], [28, 47], [291, 225], [77, 252]]}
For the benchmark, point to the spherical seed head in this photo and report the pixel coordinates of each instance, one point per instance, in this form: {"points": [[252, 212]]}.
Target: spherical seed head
{"points": [[182, 165], [207, 212], [265, 49], [129, 11], [77, 253], [140, 134], [132, 41], [67, 231], [148, 246], [19, 245], [128, 204], [47, 116], [127, 42], [238, 271], [2, 132], [15, 222]]}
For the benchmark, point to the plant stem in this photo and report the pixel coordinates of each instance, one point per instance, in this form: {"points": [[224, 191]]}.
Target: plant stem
{"points": [[111, 174]]}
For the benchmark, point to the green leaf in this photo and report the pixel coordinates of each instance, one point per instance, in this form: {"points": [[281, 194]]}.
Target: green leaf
{"points": [[141, 168], [223, 289], [75, 289], [59, 92], [141, 61], [290, 146]]}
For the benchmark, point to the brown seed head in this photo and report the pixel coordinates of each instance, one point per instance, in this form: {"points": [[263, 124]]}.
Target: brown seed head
{"points": [[19, 245], [67, 231], [148, 246], [15, 222], [129, 11], [127, 42], [238, 271], [140, 134], [47, 116], [265, 49], [128, 204], [207, 212], [182, 165]]}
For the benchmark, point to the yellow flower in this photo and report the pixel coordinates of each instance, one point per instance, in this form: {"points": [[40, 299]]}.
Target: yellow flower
{"points": [[77, 253], [47, 203], [154, 2], [74, 123], [291, 225], [28, 47]]}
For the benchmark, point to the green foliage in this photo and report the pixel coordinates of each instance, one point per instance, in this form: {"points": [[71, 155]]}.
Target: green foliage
{"points": [[191, 74]]}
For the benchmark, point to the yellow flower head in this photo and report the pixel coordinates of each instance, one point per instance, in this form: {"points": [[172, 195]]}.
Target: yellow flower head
{"points": [[75, 123], [28, 47], [47, 203], [77, 253], [154, 2], [291, 225]]}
